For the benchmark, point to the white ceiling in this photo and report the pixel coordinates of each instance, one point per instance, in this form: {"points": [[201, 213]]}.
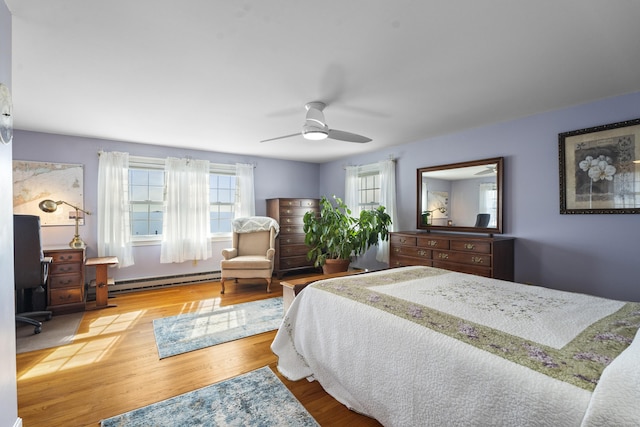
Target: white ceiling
{"points": [[223, 75]]}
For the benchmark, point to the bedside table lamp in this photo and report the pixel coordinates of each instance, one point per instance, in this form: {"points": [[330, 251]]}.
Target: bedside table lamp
{"points": [[51, 206]]}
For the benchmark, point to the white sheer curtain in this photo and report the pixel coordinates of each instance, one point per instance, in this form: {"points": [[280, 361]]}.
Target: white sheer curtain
{"points": [[185, 230], [488, 201], [114, 227], [351, 186], [245, 200], [388, 200]]}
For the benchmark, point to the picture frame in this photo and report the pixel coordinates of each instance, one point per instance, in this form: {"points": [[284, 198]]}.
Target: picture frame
{"points": [[36, 181], [599, 169]]}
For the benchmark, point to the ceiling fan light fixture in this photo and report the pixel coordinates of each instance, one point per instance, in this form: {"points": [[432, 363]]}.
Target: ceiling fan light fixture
{"points": [[314, 133]]}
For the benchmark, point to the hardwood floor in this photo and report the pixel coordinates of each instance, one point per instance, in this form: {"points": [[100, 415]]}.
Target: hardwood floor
{"points": [[113, 367]]}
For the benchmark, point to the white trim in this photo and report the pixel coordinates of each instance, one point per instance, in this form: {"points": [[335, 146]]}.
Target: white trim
{"points": [[141, 162], [155, 241]]}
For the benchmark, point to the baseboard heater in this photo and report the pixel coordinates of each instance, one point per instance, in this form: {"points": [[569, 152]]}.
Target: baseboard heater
{"points": [[158, 282]]}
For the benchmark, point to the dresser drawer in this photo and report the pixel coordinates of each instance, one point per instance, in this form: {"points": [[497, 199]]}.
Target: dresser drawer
{"points": [[292, 239], [433, 242], [65, 280], [295, 211], [66, 296], [306, 203], [404, 261], [291, 221], [295, 262], [291, 229], [398, 239], [75, 257], [412, 251], [464, 258], [471, 246], [292, 250], [64, 268]]}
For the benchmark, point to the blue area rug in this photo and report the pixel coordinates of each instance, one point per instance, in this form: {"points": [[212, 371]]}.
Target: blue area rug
{"points": [[192, 331], [257, 398]]}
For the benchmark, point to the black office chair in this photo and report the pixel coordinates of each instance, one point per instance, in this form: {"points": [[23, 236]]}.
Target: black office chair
{"points": [[31, 269], [482, 220]]}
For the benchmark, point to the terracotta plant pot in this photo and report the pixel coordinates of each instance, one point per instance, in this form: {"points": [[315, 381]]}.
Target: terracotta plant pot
{"points": [[335, 265]]}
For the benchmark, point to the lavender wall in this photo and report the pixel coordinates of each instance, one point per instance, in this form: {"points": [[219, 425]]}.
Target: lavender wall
{"points": [[273, 178], [594, 254]]}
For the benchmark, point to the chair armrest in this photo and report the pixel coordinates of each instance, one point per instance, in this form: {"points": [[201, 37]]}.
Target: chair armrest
{"points": [[229, 253], [45, 263], [271, 253]]}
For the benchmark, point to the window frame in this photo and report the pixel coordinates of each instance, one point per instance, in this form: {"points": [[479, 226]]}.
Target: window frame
{"points": [[364, 172], [153, 163]]}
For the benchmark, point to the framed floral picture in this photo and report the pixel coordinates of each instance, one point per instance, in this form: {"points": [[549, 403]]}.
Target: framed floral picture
{"points": [[600, 169]]}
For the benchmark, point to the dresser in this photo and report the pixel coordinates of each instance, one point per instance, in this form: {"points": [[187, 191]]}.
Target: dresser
{"points": [[487, 256], [65, 285], [291, 252]]}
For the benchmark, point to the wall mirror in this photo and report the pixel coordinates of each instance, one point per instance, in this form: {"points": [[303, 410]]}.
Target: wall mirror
{"points": [[464, 197]]}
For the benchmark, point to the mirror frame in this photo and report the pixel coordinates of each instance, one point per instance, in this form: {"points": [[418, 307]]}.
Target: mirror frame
{"points": [[499, 161]]}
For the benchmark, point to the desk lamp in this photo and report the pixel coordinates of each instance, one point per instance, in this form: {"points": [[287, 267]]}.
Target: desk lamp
{"points": [[51, 206]]}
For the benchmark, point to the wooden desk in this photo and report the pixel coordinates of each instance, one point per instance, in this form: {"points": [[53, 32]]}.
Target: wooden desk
{"points": [[291, 288], [102, 279]]}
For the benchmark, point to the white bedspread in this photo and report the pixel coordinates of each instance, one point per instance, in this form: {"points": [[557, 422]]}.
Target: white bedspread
{"points": [[405, 374]]}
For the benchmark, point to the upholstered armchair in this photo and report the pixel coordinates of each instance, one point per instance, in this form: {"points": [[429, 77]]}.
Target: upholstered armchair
{"points": [[252, 252]]}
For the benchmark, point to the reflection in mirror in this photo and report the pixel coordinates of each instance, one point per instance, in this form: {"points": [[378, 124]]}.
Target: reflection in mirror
{"points": [[461, 197]]}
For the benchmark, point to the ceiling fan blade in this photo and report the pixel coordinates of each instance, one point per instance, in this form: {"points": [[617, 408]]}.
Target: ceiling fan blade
{"points": [[281, 137], [341, 135], [490, 170]]}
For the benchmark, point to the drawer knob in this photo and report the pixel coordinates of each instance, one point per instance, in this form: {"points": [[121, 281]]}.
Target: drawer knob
{"points": [[432, 243], [469, 246], [477, 260], [422, 252], [443, 256], [403, 240]]}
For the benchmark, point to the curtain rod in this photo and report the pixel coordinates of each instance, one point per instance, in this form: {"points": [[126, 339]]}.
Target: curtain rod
{"points": [[393, 159]]}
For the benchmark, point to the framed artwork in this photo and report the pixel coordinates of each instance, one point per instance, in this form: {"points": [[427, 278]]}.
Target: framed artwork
{"points": [[600, 169], [34, 182]]}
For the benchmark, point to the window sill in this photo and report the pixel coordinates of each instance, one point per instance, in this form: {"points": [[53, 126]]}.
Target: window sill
{"points": [[157, 241]]}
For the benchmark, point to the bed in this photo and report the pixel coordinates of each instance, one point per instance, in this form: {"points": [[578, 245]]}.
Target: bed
{"points": [[423, 346]]}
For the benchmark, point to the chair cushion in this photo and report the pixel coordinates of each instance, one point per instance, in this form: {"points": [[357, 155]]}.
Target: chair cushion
{"points": [[246, 262], [253, 243]]}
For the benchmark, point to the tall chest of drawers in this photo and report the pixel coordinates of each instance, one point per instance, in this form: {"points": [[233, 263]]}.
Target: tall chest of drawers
{"points": [[291, 252], [65, 285], [487, 256]]}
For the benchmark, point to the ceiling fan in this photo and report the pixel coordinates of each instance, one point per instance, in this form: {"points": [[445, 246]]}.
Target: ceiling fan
{"points": [[490, 169], [315, 127]]}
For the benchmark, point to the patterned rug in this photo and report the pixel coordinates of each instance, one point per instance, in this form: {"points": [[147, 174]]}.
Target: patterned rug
{"points": [[216, 325], [257, 398]]}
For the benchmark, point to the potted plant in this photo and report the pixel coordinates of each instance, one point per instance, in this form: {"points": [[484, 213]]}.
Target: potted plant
{"points": [[333, 234]]}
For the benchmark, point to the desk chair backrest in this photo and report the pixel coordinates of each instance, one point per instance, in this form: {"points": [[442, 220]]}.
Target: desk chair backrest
{"points": [[27, 252]]}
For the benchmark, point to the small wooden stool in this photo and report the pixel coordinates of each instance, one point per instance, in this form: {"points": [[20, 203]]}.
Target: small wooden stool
{"points": [[102, 280]]}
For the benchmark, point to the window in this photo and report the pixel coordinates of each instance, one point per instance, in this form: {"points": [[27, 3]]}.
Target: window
{"points": [[489, 202], [146, 189], [368, 190], [146, 186], [222, 196]]}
